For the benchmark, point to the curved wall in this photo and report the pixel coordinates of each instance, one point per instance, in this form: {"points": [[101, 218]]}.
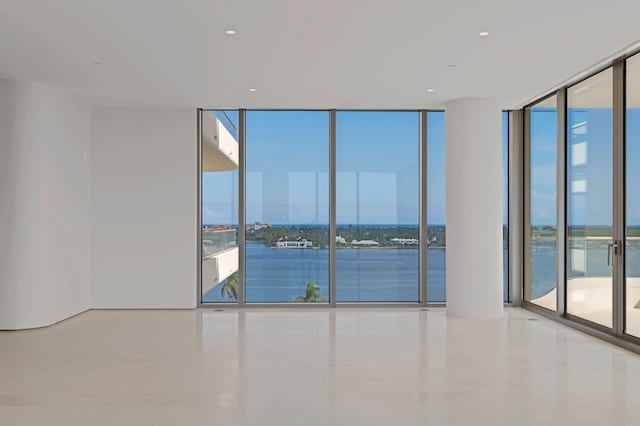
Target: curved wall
{"points": [[44, 205]]}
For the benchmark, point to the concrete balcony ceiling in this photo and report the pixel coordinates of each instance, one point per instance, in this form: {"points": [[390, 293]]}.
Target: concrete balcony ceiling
{"points": [[219, 147]]}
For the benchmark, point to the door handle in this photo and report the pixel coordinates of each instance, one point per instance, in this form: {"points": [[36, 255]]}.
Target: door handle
{"points": [[612, 245]]}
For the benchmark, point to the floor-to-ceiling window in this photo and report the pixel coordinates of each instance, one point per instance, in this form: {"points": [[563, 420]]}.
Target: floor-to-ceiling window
{"points": [[287, 206], [505, 205], [377, 206], [286, 159], [219, 215], [436, 207], [542, 266], [589, 190], [632, 169]]}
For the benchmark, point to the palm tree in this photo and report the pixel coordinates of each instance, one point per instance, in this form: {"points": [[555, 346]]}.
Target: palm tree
{"points": [[229, 289], [311, 294]]}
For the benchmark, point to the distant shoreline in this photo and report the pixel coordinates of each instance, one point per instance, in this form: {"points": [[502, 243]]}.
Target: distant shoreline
{"points": [[296, 225], [343, 248]]}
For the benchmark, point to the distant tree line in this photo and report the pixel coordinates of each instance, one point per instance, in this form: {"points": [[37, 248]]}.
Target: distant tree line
{"points": [[319, 235]]}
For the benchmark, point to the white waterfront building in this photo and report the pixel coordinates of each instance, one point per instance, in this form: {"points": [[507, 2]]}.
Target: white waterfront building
{"points": [[365, 243], [405, 241], [303, 243]]}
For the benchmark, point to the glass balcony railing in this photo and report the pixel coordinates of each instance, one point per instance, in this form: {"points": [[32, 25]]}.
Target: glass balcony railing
{"points": [[217, 239]]}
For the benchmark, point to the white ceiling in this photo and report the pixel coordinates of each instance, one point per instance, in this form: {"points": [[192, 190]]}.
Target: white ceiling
{"points": [[309, 54]]}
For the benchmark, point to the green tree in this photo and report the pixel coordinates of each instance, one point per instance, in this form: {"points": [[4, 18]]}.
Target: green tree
{"points": [[312, 294], [271, 235], [229, 289]]}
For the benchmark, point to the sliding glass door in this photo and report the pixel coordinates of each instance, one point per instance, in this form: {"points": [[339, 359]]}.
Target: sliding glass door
{"points": [[632, 178], [590, 249], [597, 194]]}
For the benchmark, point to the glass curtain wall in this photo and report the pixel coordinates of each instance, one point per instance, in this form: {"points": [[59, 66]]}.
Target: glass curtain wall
{"points": [[287, 206], [589, 198], [377, 206], [602, 200], [542, 276], [219, 214], [632, 169]]}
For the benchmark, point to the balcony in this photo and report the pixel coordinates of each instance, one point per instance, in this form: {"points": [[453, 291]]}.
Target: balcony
{"points": [[219, 256]]}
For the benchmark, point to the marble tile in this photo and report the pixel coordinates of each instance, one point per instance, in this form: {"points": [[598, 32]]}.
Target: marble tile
{"points": [[313, 367]]}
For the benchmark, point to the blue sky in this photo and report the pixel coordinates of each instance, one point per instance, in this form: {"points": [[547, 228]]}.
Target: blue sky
{"points": [[543, 166], [287, 164], [377, 156]]}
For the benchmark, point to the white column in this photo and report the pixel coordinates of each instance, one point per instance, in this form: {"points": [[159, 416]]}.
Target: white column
{"points": [[474, 208]]}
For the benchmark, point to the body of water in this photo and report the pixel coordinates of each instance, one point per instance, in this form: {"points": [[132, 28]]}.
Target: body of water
{"points": [[362, 275]]}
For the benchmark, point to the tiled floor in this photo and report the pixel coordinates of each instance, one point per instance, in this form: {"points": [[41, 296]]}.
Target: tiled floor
{"points": [[313, 367]]}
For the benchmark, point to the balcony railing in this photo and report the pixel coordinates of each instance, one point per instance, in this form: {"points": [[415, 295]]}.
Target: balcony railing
{"points": [[218, 240], [219, 256]]}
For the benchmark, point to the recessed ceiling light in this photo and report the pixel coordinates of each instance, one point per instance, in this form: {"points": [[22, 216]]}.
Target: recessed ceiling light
{"points": [[484, 33], [230, 32], [253, 90], [431, 90]]}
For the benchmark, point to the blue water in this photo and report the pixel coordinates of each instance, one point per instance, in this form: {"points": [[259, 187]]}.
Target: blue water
{"points": [[362, 275]]}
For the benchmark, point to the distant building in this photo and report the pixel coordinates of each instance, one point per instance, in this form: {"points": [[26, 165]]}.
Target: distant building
{"points": [[406, 241], [298, 244], [340, 240], [364, 243], [257, 226]]}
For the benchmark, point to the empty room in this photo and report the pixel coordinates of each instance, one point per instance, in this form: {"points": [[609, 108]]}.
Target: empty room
{"points": [[292, 212]]}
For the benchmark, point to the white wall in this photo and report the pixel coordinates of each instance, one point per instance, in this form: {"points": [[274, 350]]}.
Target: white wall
{"points": [[143, 208], [44, 205], [474, 208]]}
